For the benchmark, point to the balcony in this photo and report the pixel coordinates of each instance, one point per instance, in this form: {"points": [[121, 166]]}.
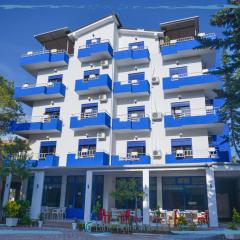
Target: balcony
{"points": [[36, 61], [127, 56], [188, 156], [197, 118], [100, 84], [45, 160], [36, 125], [184, 47], [190, 82], [30, 93], [100, 120], [129, 160], [98, 159], [140, 88], [95, 52], [141, 123]]}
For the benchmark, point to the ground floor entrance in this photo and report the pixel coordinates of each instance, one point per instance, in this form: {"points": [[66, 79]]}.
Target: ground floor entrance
{"points": [[75, 193]]}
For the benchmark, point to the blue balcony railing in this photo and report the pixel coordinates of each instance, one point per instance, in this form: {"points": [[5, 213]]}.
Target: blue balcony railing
{"points": [[29, 93], [99, 159], [99, 120], [48, 161], [35, 61], [128, 56], [184, 82], [119, 161], [222, 156], [179, 46], [197, 117], [100, 84], [141, 88], [37, 125], [94, 52], [142, 124]]}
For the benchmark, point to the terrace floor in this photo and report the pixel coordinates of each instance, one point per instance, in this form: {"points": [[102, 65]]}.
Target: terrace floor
{"points": [[21, 233]]}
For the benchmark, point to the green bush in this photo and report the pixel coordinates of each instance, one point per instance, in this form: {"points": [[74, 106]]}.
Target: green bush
{"points": [[235, 216], [11, 209], [81, 226], [232, 226], [23, 214]]}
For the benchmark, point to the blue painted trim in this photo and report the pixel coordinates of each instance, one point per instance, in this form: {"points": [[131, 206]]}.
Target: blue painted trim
{"points": [[99, 159], [91, 141], [136, 76], [50, 161], [136, 143], [89, 105], [132, 54], [52, 109], [48, 143], [180, 104], [181, 142], [136, 108], [102, 119], [168, 83], [59, 76], [144, 159], [101, 81], [87, 73]]}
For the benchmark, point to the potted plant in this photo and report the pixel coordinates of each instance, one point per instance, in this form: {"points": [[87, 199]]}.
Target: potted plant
{"points": [[96, 209], [11, 211], [74, 224], [40, 220]]}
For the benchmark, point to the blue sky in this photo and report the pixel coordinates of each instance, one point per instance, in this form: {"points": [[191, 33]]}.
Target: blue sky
{"points": [[21, 19]]}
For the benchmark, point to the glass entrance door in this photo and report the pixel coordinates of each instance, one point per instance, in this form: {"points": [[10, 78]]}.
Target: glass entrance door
{"points": [[75, 197]]}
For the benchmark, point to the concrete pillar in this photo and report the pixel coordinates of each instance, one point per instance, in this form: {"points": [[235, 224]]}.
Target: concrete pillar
{"points": [[23, 190], [7, 190], [145, 196], [88, 196], [37, 195], [63, 191], [211, 194], [107, 188], [159, 192]]}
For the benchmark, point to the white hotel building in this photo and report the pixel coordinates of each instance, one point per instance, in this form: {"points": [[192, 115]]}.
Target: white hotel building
{"points": [[111, 102]]}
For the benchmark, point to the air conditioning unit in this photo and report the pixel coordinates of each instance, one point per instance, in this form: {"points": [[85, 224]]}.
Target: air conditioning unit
{"points": [[103, 98], [157, 116], [25, 85], [179, 153], [134, 154], [134, 81], [155, 80], [101, 136], [134, 47], [175, 76], [105, 63], [92, 76], [53, 50], [50, 84], [94, 41], [205, 70], [157, 153]]}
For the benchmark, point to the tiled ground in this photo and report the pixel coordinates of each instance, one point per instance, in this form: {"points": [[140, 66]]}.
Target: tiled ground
{"points": [[65, 234]]}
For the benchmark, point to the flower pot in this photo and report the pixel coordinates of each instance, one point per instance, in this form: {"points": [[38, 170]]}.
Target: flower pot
{"points": [[74, 226], [40, 223], [11, 222]]}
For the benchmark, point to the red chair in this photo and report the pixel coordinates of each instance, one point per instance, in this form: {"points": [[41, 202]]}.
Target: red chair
{"points": [[127, 216]]}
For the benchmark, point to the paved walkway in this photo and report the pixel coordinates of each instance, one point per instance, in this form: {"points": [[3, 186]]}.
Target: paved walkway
{"points": [[65, 234]]}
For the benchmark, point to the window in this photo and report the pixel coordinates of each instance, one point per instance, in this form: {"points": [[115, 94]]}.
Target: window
{"points": [[89, 110], [51, 113], [184, 193], [182, 148], [87, 148], [134, 78], [135, 149], [178, 72], [52, 191], [180, 109], [75, 192], [47, 148], [30, 188], [91, 74], [55, 78], [136, 45], [135, 113]]}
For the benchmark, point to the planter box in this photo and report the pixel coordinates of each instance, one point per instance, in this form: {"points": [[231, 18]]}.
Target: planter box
{"points": [[11, 222]]}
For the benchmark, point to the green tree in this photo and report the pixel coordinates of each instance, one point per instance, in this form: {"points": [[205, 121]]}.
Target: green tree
{"points": [[126, 189], [228, 19], [13, 154]]}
